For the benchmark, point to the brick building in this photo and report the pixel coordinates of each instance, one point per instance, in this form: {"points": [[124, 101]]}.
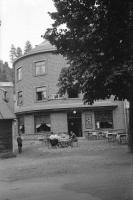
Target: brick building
{"points": [[40, 110]]}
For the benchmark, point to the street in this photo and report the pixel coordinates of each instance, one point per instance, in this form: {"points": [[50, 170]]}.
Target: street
{"points": [[95, 170]]}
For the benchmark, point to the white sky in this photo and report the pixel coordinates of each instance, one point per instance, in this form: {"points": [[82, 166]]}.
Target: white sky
{"points": [[23, 20]]}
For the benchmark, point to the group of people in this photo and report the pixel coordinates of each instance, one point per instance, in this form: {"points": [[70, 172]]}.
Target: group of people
{"points": [[54, 139]]}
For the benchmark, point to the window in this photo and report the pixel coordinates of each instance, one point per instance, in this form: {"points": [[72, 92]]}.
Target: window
{"points": [[72, 93], [40, 68], [21, 128], [42, 123], [20, 98], [41, 93], [19, 74], [104, 119]]}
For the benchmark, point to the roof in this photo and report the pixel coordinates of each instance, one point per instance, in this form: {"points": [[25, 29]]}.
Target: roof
{"points": [[5, 112], [44, 47]]}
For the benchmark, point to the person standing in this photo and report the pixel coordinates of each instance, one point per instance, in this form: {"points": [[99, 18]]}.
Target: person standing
{"points": [[54, 139], [19, 141]]}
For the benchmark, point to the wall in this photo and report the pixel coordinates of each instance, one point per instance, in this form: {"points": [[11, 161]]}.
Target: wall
{"points": [[59, 122], [29, 81], [14, 135], [119, 116], [29, 124]]}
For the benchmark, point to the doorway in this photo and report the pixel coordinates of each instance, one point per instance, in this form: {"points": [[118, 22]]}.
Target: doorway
{"points": [[5, 135], [74, 122]]}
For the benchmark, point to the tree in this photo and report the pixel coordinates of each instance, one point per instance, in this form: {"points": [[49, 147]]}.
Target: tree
{"points": [[67, 83], [3, 77], [13, 53], [6, 73], [27, 47], [98, 42], [18, 52]]}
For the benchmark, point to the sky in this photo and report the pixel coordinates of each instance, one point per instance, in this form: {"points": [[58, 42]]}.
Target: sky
{"points": [[23, 20]]}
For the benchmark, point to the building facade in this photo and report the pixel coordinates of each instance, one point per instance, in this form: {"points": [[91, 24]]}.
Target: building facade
{"points": [[39, 109]]}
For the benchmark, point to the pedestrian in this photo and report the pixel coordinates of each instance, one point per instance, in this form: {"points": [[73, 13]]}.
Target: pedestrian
{"points": [[19, 141], [73, 138]]}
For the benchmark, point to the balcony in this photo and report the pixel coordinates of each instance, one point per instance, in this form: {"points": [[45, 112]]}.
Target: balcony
{"points": [[63, 104]]}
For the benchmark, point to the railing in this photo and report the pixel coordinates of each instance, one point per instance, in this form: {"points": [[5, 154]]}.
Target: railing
{"points": [[34, 136]]}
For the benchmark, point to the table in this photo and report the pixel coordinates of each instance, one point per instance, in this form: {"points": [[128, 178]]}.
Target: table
{"points": [[122, 138], [111, 137]]}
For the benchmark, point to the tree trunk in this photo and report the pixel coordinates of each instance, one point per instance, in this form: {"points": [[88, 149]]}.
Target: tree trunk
{"points": [[130, 130]]}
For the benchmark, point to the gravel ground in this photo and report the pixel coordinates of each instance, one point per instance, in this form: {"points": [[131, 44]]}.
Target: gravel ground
{"points": [[95, 170]]}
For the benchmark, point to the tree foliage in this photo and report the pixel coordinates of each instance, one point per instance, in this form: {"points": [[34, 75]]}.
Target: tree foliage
{"points": [[19, 52], [15, 53], [67, 82], [27, 47], [98, 42], [12, 53], [6, 73]]}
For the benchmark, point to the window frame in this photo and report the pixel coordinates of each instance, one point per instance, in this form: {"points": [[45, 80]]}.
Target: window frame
{"points": [[21, 123], [102, 112], [18, 98], [41, 91], [35, 67], [72, 93], [19, 73], [39, 116]]}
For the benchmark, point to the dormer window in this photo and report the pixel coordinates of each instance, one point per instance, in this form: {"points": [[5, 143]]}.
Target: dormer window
{"points": [[19, 74], [40, 68]]}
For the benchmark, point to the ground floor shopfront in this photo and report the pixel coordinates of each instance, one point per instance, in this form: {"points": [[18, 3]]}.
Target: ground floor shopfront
{"points": [[80, 120]]}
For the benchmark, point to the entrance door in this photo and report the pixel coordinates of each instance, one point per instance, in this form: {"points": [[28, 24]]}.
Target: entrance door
{"points": [[74, 122], [5, 135]]}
